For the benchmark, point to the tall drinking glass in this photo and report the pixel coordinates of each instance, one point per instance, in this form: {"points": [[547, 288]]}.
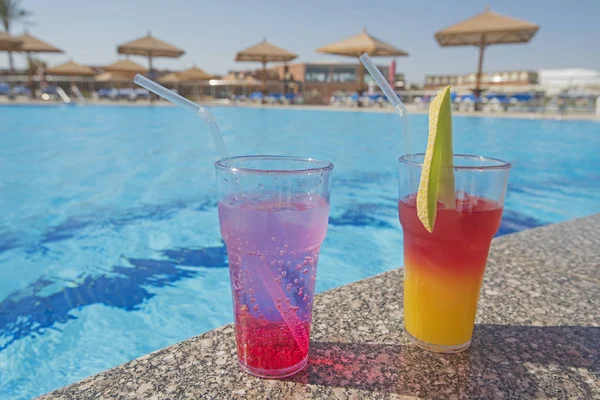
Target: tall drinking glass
{"points": [[273, 213], [443, 270]]}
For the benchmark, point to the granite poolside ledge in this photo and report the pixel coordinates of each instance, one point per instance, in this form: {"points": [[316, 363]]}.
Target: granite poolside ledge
{"points": [[537, 336]]}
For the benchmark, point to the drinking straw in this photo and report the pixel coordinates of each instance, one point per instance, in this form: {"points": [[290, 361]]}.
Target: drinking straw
{"points": [[190, 105], [393, 99], [289, 317]]}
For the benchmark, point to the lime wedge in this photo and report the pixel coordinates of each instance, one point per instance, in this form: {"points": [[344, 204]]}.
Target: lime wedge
{"points": [[437, 176]]}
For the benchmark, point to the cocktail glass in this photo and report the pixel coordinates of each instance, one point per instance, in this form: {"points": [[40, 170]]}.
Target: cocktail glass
{"points": [[443, 270], [273, 213]]}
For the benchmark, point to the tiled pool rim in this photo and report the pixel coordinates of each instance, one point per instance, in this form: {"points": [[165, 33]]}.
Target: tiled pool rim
{"points": [[537, 336]]}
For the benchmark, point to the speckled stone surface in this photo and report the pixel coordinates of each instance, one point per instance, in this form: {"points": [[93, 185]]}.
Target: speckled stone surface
{"points": [[537, 336]]}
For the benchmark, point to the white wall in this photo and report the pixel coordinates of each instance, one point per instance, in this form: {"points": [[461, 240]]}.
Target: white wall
{"points": [[556, 80]]}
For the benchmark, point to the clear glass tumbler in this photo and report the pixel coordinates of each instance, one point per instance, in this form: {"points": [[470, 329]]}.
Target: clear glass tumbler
{"points": [[443, 270], [273, 213]]}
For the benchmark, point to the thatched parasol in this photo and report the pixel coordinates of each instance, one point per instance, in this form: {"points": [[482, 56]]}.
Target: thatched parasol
{"points": [[241, 80], [9, 43], [172, 77], [31, 44], [115, 77], [356, 45], [486, 29], [71, 68], [265, 52], [193, 74], [150, 47], [126, 67]]}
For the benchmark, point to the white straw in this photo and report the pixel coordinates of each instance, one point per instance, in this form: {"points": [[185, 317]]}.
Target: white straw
{"points": [[392, 97], [190, 105]]}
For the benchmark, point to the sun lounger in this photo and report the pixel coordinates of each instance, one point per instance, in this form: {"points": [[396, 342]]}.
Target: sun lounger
{"points": [[288, 98], [21, 90], [256, 97], [142, 93], [4, 89], [274, 98]]}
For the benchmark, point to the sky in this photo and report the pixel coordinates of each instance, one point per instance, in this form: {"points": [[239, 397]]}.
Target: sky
{"points": [[212, 31]]}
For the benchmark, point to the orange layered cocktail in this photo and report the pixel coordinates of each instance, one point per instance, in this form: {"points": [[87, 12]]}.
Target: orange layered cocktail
{"points": [[450, 207], [443, 270]]}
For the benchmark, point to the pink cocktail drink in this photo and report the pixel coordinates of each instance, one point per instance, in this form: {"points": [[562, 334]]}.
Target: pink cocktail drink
{"points": [[273, 251], [273, 239]]}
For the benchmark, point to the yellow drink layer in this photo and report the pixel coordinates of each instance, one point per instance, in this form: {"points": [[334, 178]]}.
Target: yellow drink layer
{"points": [[443, 270], [440, 309]]}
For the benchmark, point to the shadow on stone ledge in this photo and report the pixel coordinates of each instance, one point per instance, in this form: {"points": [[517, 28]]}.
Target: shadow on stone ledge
{"points": [[504, 361]]}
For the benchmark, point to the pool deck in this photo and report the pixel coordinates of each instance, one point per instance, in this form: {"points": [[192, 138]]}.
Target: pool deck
{"points": [[412, 109], [537, 336]]}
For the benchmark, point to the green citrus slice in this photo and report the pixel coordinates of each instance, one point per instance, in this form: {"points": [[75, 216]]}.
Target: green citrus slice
{"points": [[437, 176]]}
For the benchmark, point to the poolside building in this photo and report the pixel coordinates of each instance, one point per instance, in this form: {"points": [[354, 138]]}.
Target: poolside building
{"points": [[582, 80], [318, 81], [502, 81], [234, 83], [551, 82]]}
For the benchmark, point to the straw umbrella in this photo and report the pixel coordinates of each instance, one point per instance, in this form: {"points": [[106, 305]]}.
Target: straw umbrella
{"points": [[483, 30], [251, 81], [170, 78], [194, 74], [114, 77], [31, 44], [121, 71], [150, 47], [71, 68], [231, 77], [356, 45], [126, 67], [8, 42], [264, 52], [245, 82]]}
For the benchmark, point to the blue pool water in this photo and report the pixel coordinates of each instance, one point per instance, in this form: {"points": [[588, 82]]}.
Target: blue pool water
{"points": [[109, 238]]}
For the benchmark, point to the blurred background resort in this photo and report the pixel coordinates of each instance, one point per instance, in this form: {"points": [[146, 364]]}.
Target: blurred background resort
{"points": [[282, 77]]}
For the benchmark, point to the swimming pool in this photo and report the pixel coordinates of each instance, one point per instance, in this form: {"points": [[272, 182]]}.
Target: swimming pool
{"points": [[109, 238]]}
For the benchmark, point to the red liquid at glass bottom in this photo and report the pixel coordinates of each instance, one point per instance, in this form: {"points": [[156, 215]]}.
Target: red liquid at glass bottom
{"points": [[268, 349]]}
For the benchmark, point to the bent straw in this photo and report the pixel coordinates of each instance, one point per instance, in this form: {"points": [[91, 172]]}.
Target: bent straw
{"points": [[190, 105], [393, 99], [289, 317]]}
